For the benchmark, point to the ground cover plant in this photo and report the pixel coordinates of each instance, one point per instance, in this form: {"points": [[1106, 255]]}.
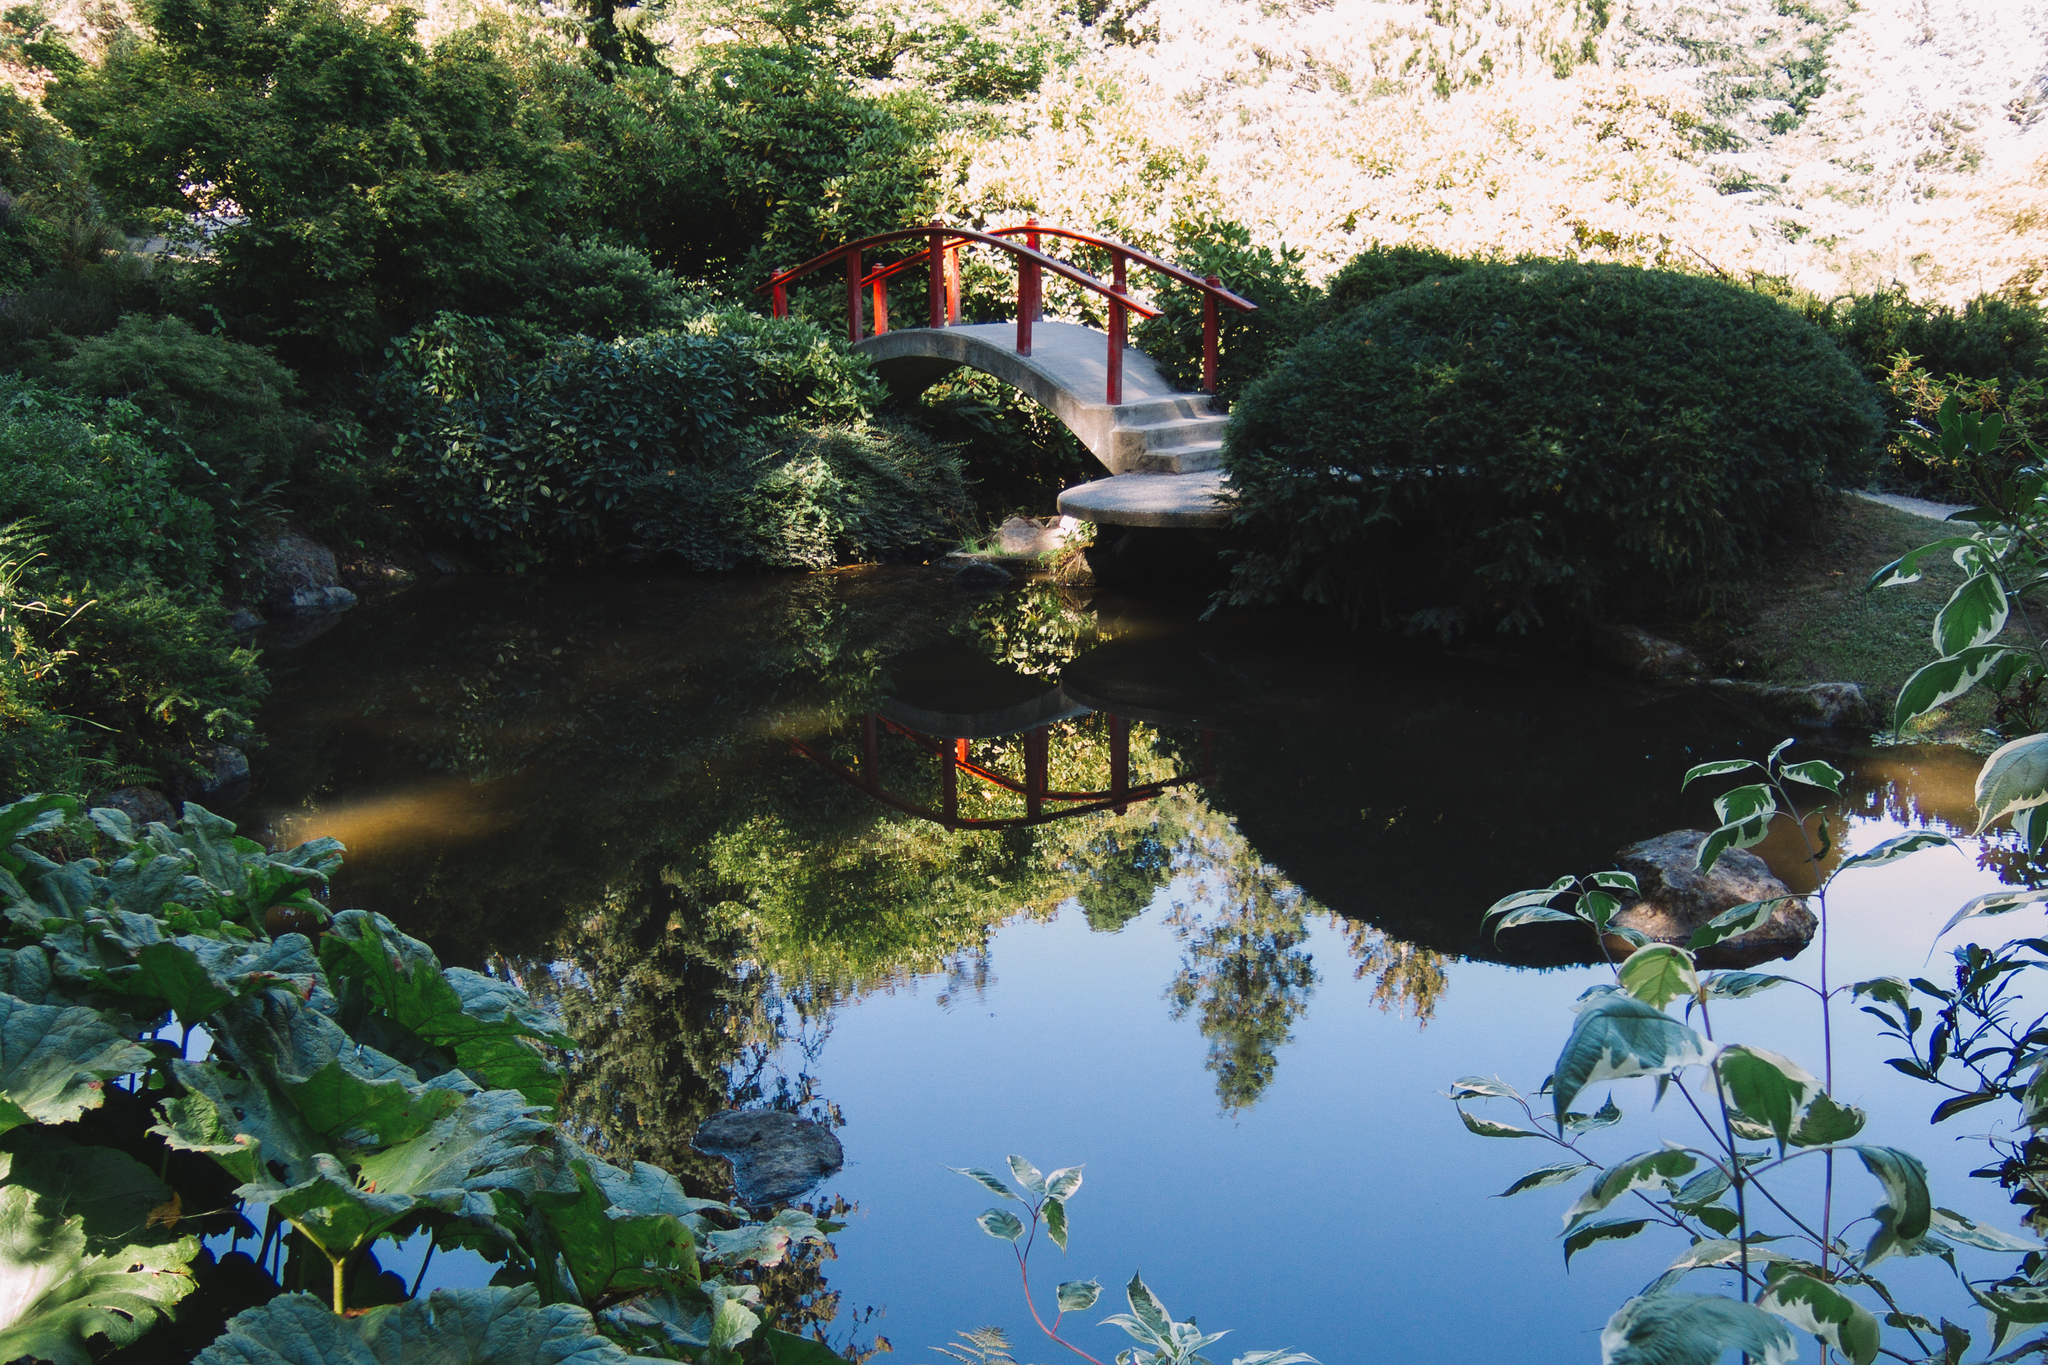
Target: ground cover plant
{"points": [[1531, 441], [188, 1039]]}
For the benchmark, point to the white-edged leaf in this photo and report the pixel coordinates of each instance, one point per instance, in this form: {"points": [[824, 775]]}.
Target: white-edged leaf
{"points": [[1825, 1312], [1765, 1086], [1724, 1251], [1737, 919], [1739, 985], [1618, 1035], [984, 1179], [1975, 612], [1078, 1296], [1891, 850], [1466, 1087], [1027, 1174], [1958, 1228], [1613, 1230], [2014, 778], [1618, 881], [1489, 1128], [1907, 1212], [1943, 681], [1693, 1329], [1545, 1176], [1658, 1170], [1741, 834], [1056, 1222], [1815, 773], [1658, 974], [1001, 1224], [1906, 568], [1062, 1183], [1993, 903], [1715, 769]]}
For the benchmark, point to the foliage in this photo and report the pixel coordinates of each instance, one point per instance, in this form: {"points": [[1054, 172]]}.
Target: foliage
{"points": [[1247, 344], [355, 1087], [1378, 271], [737, 440], [1999, 547], [129, 660], [1761, 1113], [1022, 455], [1919, 351], [1161, 1340], [43, 185], [1522, 441]]}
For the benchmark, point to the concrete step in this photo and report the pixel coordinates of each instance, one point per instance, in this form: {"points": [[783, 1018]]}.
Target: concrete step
{"points": [[1153, 445], [1191, 458], [1164, 408], [1151, 500]]}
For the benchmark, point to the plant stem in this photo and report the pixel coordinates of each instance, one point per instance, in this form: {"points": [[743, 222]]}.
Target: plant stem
{"points": [[425, 1261], [1025, 1274], [340, 1264]]}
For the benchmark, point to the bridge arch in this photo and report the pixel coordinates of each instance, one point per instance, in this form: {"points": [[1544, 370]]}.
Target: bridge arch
{"points": [[1162, 447]]}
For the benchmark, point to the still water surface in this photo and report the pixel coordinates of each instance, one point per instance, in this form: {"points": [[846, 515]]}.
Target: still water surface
{"points": [[1238, 999]]}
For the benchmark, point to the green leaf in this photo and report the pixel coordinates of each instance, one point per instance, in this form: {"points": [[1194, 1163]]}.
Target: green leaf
{"points": [[1078, 1296], [1824, 1312], [1056, 1222], [1739, 985], [54, 1059], [1659, 974], [490, 1326], [614, 1251], [1814, 773], [1001, 1224], [1968, 1231], [1545, 1176], [1613, 1230], [1659, 1170], [984, 1179], [786, 1348], [1489, 1128], [1739, 919], [1618, 1035], [30, 815], [1976, 611], [1716, 768], [365, 1113], [1767, 1087], [1907, 1212], [1027, 1175], [1957, 1104], [1693, 1329], [1823, 1122], [72, 1255], [1993, 903], [1943, 681], [2014, 778], [1891, 850], [1906, 568], [1063, 1183]]}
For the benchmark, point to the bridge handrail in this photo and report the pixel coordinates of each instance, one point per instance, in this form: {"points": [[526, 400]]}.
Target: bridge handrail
{"points": [[941, 255]]}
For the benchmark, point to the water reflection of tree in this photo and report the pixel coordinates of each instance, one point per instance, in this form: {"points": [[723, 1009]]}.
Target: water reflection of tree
{"points": [[1406, 977]]}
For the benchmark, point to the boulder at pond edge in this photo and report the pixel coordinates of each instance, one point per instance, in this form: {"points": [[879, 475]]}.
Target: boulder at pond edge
{"points": [[775, 1156], [1678, 898]]}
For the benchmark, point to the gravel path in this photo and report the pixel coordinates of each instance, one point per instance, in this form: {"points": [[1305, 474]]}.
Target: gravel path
{"points": [[1919, 507]]}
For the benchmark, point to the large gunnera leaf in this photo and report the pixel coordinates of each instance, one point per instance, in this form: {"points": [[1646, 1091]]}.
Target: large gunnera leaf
{"points": [[489, 1026], [496, 1326], [76, 1253], [55, 1058]]}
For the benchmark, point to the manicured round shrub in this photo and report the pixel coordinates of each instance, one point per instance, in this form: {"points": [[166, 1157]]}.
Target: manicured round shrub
{"points": [[1533, 440]]}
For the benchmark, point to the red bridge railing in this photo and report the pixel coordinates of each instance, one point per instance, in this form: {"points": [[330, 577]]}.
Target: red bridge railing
{"points": [[941, 257]]}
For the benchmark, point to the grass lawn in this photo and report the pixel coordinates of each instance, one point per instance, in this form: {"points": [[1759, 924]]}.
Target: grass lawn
{"points": [[1812, 620]]}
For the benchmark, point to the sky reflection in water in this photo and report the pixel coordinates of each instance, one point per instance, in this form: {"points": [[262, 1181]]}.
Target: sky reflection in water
{"points": [[1254, 1083]]}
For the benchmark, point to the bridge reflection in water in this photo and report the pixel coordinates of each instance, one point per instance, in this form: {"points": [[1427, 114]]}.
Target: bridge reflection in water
{"points": [[948, 697]]}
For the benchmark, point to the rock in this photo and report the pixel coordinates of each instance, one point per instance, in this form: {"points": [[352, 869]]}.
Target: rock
{"points": [[1640, 654], [298, 575], [244, 621], [1822, 705], [217, 771], [980, 573], [1032, 536], [143, 806], [442, 564], [1677, 899], [775, 1156]]}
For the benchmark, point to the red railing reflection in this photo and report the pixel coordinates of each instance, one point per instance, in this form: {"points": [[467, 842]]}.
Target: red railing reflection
{"points": [[956, 757]]}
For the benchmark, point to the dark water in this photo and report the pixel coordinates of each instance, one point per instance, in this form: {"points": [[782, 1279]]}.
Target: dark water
{"points": [[1229, 959]]}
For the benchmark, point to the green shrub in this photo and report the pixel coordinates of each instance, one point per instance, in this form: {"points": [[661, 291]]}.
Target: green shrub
{"points": [[1248, 344], [130, 660], [661, 444], [1532, 439], [1988, 340], [1382, 270]]}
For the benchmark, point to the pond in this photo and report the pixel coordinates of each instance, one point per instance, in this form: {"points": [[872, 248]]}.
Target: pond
{"points": [[1195, 902]]}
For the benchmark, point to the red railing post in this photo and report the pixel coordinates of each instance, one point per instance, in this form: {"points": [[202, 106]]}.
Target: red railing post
{"points": [[1116, 329], [782, 294], [953, 287], [881, 290], [1209, 337], [1037, 277], [852, 297], [938, 273], [1034, 771], [1027, 292]]}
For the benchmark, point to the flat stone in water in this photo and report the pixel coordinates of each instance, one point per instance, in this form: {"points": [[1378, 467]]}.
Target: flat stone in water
{"points": [[775, 1156]]}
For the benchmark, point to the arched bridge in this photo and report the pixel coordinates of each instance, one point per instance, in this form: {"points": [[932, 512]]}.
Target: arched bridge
{"points": [[1162, 447]]}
